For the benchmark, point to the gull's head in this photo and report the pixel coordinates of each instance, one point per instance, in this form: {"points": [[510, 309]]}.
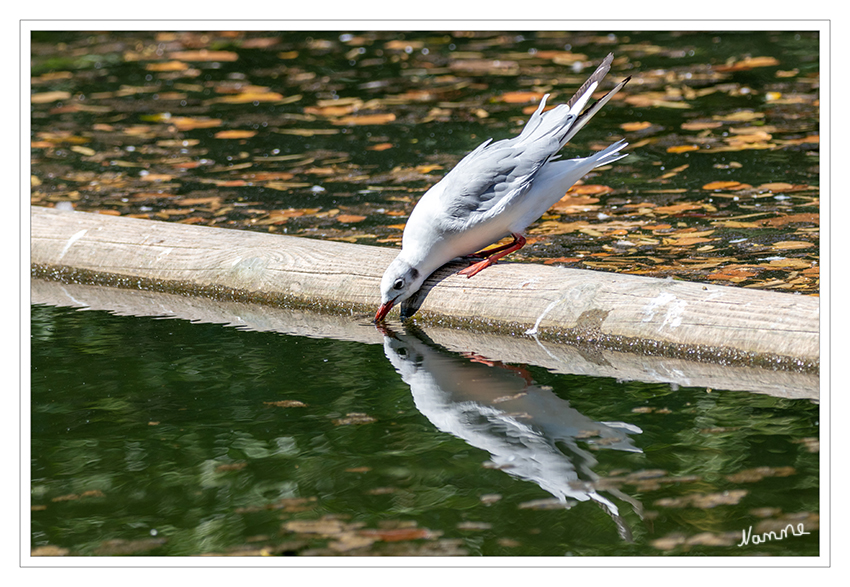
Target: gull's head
{"points": [[401, 280]]}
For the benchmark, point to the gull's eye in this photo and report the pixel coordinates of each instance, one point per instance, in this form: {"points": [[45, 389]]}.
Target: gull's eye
{"points": [[398, 284]]}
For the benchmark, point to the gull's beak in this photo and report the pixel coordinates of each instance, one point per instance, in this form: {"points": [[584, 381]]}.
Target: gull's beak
{"points": [[384, 310]]}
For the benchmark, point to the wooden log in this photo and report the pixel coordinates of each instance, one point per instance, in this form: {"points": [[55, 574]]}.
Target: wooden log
{"points": [[621, 312]]}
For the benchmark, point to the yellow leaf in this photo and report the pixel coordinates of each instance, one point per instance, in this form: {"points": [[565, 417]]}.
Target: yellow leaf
{"points": [[333, 110], [635, 126], [167, 66], [248, 97], [83, 150], [381, 118], [308, 132], [428, 168], [738, 224], [235, 134], [586, 190], [186, 123], [682, 149], [792, 245], [686, 241], [802, 140], [740, 116], [350, 218], [380, 147], [677, 208], [748, 63], [726, 185], [701, 125], [520, 97], [46, 97], [204, 55]]}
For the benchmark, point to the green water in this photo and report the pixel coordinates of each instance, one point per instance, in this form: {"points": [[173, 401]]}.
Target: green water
{"points": [[165, 437]]}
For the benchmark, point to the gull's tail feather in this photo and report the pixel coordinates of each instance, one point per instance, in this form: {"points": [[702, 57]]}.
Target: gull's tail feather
{"points": [[594, 78], [565, 120], [589, 112], [609, 154]]}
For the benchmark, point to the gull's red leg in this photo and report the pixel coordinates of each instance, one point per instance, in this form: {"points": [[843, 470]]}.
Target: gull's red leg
{"points": [[483, 254], [517, 244]]}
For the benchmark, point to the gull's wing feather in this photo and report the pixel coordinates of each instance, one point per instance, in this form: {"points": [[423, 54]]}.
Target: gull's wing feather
{"points": [[506, 169]]}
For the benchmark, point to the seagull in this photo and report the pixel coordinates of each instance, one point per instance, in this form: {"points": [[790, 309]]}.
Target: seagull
{"points": [[496, 191]]}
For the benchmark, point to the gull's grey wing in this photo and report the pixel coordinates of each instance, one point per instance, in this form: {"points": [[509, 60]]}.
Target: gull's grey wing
{"points": [[492, 172], [507, 168]]}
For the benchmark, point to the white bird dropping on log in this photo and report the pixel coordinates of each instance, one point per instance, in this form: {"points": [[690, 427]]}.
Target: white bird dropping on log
{"points": [[497, 190]]}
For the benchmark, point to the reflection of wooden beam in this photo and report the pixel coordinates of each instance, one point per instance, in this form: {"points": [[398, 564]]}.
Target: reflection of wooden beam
{"points": [[595, 309], [558, 358]]}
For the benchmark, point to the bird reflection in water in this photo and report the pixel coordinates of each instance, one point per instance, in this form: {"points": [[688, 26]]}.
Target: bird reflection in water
{"points": [[530, 432]]}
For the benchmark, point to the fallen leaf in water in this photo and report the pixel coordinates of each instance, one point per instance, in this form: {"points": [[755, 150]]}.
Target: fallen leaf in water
{"points": [[49, 550], [365, 119], [782, 187], [562, 260], [83, 150], [701, 125], [334, 109], [235, 134], [269, 175], [186, 123], [167, 66], [677, 208], [307, 132], [802, 140], [740, 116], [204, 55], [726, 185], [656, 100], [287, 403], [380, 147], [789, 264], [247, 98], [62, 137], [47, 97], [354, 418], [561, 57], [398, 534], [635, 126], [120, 547], [520, 97], [214, 201], [747, 63], [586, 190], [551, 503], [350, 218], [792, 245], [791, 219], [686, 241], [759, 473], [485, 66], [682, 148], [571, 205], [703, 500], [324, 526], [735, 274]]}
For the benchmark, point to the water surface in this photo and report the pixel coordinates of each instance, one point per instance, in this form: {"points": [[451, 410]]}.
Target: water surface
{"points": [[166, 437]]}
